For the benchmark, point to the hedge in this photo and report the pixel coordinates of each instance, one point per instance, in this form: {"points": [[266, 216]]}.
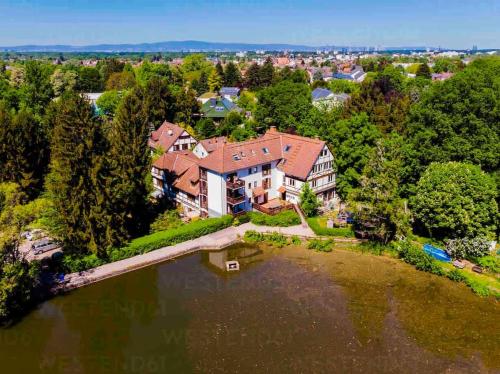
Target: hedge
{"points": [[315, 225], [413, 255], [282, 219], [166, 238]]}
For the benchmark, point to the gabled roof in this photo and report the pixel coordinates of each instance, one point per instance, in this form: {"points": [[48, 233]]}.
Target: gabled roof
{"points": [[166, 135], [218, 107], [296, 154], [183, 168], [320, 93]]}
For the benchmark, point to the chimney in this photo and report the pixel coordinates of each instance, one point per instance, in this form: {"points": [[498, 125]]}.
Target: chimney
{"points": [[272, 129]]}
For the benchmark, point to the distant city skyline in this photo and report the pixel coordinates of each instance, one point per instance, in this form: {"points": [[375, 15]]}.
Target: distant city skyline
{"points": [[454, 24]]}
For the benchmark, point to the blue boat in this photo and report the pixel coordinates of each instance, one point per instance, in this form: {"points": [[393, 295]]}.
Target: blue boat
{"points": [[437, 253]]}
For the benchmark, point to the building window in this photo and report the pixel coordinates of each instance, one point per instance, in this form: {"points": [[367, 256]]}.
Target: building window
{"points": [[291, 182], [249, 186], [266, 183], [249, 171], [330, 178], [255, 183], [314, 183], [266, 169]]}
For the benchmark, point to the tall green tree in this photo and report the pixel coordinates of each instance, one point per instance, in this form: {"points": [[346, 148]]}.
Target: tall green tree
{"points": [[159, 102], [252, 77], [376, 202], [457, 120], [130, 162], [284, 105], [36, 90], [351, 142], [24, 150], [214, 81], [77, 180], [232, 75], [266, 73]]}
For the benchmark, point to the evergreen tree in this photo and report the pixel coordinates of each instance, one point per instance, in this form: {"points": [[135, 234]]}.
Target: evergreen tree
{"points": [[77, 180], [232, 76], [252, 77], [186, 106], [200, 85], [159, 102], [214, 81], [129, 164], [219, 69], [267, 73], [379, 209], [23, 150]]}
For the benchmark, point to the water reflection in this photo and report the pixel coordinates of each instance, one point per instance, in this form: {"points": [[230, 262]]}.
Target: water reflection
{"points": [[286, 310]]}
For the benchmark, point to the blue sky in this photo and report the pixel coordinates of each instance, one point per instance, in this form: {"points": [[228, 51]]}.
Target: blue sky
{"points": [[446, 23]]}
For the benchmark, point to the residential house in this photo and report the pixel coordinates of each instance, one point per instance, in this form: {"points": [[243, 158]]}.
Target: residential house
{"points": [[206, 96], [237, 177], [176, 175], [170, 138], [325, 99], [218, 108], [355, 74], [230, 93]]}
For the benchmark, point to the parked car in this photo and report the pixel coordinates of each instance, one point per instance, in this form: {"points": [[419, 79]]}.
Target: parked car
{"points": [[44, 245]]}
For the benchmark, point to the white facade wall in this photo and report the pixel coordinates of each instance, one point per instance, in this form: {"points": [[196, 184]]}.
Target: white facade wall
{"points": [[183, 144], [216, 186]]}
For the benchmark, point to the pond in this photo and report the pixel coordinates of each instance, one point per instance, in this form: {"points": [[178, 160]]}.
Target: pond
{"points": [[286, 310]]}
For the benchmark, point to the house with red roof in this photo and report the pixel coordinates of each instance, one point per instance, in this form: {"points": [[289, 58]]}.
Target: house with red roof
{"points": [[170, 138], [230, 178]]}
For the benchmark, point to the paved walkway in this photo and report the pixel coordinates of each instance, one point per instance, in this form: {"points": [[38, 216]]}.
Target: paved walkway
{"points": [[215, 241]]}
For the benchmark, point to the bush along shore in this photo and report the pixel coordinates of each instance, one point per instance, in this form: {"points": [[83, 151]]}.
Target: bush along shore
{"points": [[406, 250], [149, 243]]}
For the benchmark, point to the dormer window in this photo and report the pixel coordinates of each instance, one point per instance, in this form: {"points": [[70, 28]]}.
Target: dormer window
{"points": [[265, 150], [236, 157], [287, 147]]}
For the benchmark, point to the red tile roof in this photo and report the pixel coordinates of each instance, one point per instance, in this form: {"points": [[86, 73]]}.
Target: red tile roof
{"points": [[297, 154], [183, 168], [212, 144], [166, 135]]}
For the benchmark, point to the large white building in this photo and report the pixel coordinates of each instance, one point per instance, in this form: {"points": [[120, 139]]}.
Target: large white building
{"points": [[254, 174]]}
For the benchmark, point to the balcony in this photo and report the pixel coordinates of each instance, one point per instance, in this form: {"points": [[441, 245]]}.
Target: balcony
{"points": [[235, 184], [235, 199], [273, 206]]}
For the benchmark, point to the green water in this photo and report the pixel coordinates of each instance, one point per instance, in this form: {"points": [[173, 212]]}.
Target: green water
{"points": [[286, 310]]}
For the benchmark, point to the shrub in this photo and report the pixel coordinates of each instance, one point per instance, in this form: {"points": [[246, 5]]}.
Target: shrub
{"points": [[282, 219], [274, 238], [319, 229], [161, 239], [252, 236], [417, 257], [456, 276], [167, 220], [477, 286], [320, 245], [73, 264], [468, 247], [492, 263], [296, 240]]}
